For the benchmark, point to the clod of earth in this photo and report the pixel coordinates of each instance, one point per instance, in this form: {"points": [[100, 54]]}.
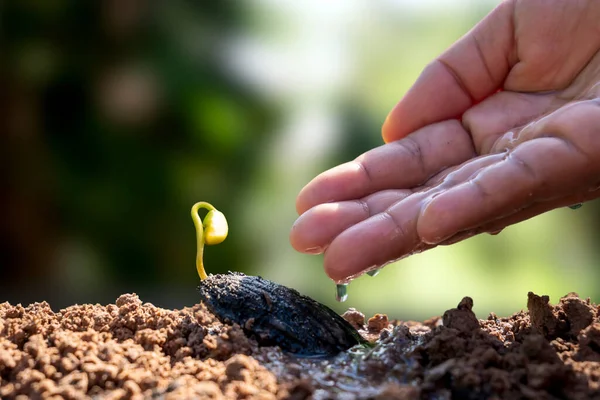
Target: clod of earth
{"points": [[134, 350], [273, 314]]}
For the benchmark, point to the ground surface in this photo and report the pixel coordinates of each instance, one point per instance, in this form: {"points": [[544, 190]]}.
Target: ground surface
{"points": [[134, 350]]}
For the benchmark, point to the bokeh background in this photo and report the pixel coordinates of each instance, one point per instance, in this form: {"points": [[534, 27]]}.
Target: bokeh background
{"points": [[116, 116]]}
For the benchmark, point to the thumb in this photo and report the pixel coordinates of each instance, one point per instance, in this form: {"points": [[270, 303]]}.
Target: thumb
{"points": [[472, 69]]}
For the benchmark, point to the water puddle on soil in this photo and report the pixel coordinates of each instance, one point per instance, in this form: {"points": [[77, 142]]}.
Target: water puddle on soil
{"points": [[356, 371]]}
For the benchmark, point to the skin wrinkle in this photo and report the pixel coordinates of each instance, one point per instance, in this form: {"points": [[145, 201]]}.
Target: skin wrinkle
{"points": [[391, 203], [482, 57], [468, 125], [366, 171], [589, 158], [365, 206], [414, 149], [398, 229], [474, 152], [524, 166], [457, 79], [476, 182]]}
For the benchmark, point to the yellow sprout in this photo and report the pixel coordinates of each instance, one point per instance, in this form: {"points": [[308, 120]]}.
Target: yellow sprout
{"points": [[213, 230]]}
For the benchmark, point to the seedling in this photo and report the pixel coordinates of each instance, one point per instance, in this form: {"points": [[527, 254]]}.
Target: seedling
{"points": [[267, 311], [212, 230]]}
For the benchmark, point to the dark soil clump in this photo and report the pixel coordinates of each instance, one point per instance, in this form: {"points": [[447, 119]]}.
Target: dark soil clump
{"points": [[275, 315], [134, 350]]}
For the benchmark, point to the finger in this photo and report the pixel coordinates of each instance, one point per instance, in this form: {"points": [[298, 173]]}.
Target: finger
{"points": [[471, 70], [495, 226], [540, 169], [537, 209], [457, 175], [315, 229], [375, 241], [400, 165]]}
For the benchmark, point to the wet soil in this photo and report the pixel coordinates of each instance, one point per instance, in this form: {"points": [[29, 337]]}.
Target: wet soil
{"points": [[134, 350]]}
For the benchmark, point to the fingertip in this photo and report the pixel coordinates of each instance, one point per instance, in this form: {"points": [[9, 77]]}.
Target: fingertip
{"points": [[300, 239], [342, 182], [348, 254], [301, 204], [372, 242], [313, 193], [315, 229], [333, 270], [341, 263]]}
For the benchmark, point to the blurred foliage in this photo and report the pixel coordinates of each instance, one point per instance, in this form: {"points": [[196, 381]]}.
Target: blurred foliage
{"points": [[117, 116]]}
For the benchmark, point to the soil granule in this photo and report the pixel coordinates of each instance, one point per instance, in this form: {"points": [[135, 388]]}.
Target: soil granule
{"points": [[134, 350]]}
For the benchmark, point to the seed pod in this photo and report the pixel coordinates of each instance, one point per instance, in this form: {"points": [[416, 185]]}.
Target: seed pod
{"points": [[277, 315], [215, 227]]}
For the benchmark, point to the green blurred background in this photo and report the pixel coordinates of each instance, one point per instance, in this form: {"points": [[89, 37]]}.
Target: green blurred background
{"points": [[116, 116]]}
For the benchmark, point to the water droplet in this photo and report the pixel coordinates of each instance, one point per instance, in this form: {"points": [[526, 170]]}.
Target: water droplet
{"points": [[575, 206], [374, 272], [341, 292]]}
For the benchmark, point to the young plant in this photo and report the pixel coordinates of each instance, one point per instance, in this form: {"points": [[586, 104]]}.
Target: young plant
{"points": [[213, 230]]}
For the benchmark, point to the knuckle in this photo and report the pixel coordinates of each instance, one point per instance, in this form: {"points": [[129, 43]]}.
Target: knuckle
{"points": [[481, 187], [399, 229], [364, 168], [414, 151]]}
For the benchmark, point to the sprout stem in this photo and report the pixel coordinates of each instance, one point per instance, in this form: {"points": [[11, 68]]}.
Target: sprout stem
{"points": [[200, 236]]}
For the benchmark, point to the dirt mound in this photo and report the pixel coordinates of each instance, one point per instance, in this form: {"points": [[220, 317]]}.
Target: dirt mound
{"points": [[134, 350]]}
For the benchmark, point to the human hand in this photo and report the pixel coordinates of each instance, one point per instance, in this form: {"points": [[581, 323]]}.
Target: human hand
{"points": [[503, 126]]}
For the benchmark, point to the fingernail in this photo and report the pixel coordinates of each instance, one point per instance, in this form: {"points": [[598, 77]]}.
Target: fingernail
{"points": [[435, 240], [313, 250]]}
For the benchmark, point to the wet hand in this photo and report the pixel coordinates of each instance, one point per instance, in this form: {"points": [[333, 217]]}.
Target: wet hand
{"points": [[501, 127]]}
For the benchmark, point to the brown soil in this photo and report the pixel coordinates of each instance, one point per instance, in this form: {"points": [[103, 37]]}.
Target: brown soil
{"points": [[135, 350]]}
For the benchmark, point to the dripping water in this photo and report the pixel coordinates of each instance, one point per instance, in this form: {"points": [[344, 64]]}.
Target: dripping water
{"points": [[341, 292]]}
